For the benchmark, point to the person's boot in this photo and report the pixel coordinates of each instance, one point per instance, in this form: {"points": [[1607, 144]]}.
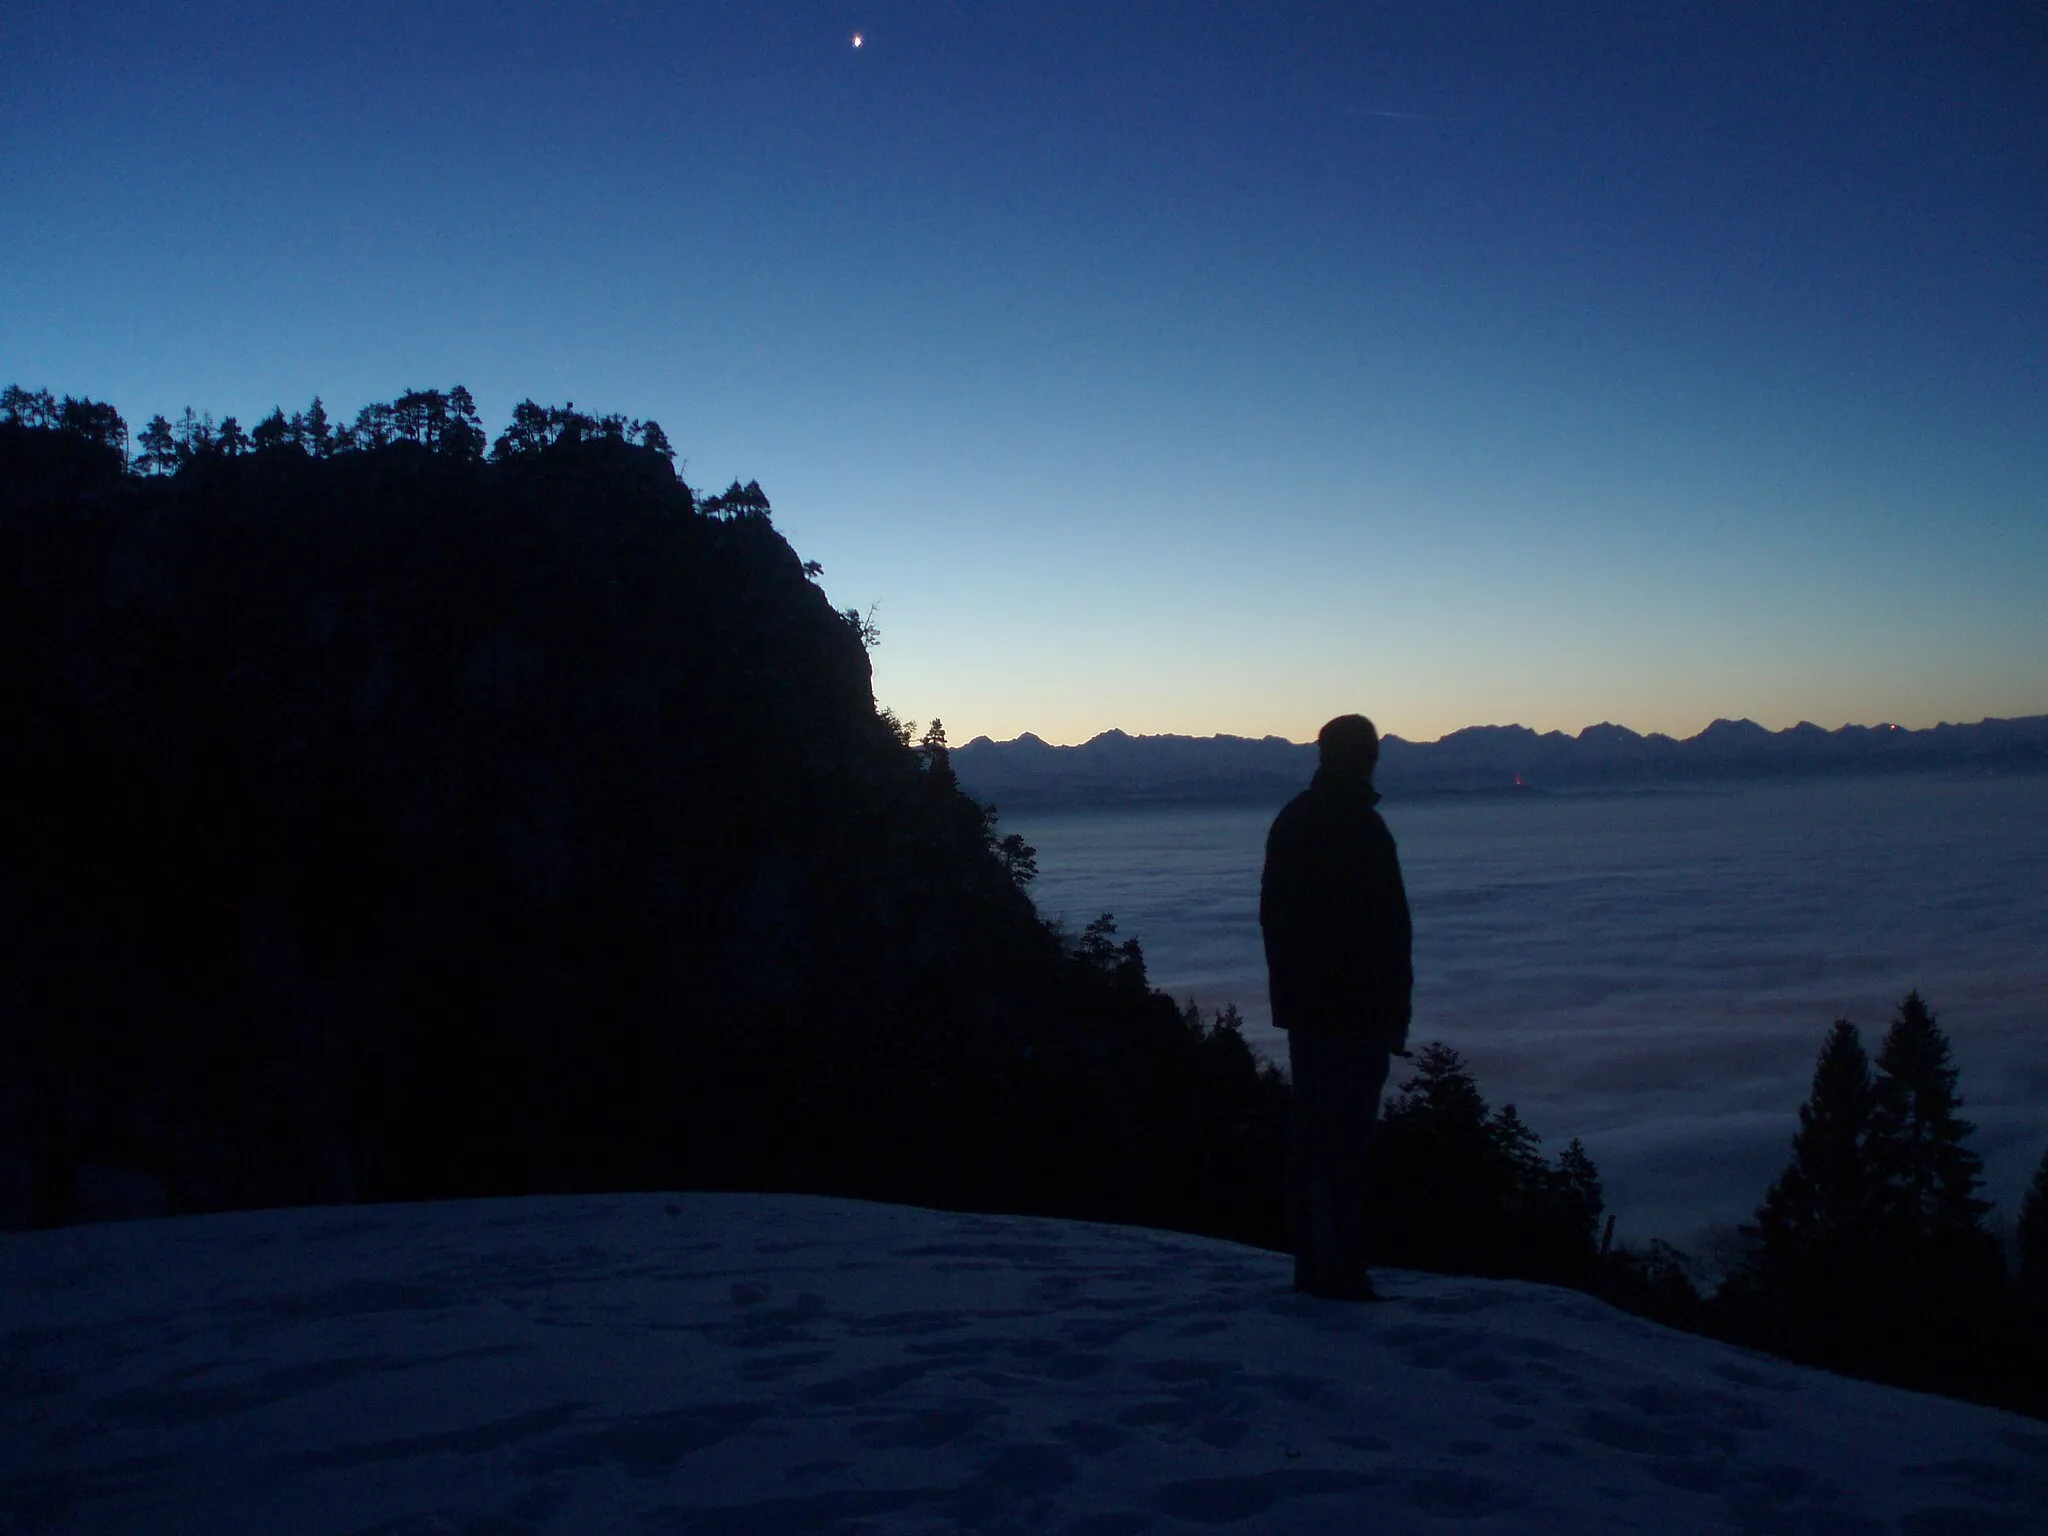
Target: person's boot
{"points": [[1357, 1288]]}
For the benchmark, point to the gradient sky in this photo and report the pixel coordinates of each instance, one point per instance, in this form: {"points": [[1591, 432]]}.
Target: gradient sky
{"points": [[1170, 367]]}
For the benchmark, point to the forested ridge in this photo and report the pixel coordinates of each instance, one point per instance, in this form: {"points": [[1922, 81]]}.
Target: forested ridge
{"points": [[389, 814], [392, 818]]}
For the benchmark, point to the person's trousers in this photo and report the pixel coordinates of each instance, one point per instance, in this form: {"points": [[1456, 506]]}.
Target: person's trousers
{"points": [[1337, 1083]]}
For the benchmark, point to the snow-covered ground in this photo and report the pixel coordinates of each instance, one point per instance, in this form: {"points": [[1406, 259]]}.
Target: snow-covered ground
{"points": [[762, 1364]]}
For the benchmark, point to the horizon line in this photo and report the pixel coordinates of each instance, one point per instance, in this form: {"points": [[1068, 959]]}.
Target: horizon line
{"points": [[1719, 720]]}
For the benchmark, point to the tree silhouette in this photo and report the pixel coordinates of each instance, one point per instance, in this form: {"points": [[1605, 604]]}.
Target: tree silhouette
{"points": [[319, 433], [738, 500], [1870, 1253], [28, 408], [651, 436], [1453, 1186], [418, 416], [529, 431], [1442, 1095], [446, 423], [1943, 1279], [1517, 1145], [376, 426], [192, 436], [1020, 859], [95, 422], [1927, 1177], [1098, 950], [159, 447], [1818, 1213], [72, 420], [933, 752], [537, 428], [1580, 1190], [1814, 1233], [462, 435], [2031, 1239], [272, 433]]}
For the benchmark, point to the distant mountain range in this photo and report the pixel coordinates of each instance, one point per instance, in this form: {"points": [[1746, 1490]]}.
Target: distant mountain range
{"points": [[1115, 768]]}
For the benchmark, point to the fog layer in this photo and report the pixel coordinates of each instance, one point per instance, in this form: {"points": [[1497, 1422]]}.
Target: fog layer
{"points": [[1651, 971]]}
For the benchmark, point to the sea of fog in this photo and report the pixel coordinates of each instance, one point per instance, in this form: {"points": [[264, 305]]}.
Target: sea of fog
{"points": [[1651, 971]]}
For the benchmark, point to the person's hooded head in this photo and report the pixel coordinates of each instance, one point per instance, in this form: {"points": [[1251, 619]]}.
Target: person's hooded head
{"points": [[1348, 748]]}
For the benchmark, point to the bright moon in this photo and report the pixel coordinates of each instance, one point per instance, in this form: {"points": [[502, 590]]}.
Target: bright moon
{"points": [[858, 39]]}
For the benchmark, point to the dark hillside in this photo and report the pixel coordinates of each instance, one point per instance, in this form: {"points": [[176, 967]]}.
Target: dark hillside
{"points": [[390, 822]]}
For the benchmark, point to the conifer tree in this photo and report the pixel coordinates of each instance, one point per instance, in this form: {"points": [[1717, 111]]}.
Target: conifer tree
{"points": [[651, 436], [530, 430], [1937, 1280], [319, 433], [271, 433], [1578, 1182], [96, 422], [1927, 1178], [1433, 1186], [1442, 1095], [1020, 859], [463, 435], [28, 407], [937, 757], [193, 435], [1518, 1154], [1098, 950], [1815, 1223], [159, 447], [376, 426], [2031, 1237], [418, 415]]}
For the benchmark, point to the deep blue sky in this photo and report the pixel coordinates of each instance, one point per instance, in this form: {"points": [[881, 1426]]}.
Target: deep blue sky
{"points": [[1177, 367]]}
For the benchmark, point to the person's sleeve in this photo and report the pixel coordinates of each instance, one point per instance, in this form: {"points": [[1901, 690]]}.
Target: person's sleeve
{"points": [[1394, 930], [1404, 928], [1277, 919]]}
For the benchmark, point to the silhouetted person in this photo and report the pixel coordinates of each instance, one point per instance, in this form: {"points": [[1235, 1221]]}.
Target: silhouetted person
{"points": [[1335, 918]]}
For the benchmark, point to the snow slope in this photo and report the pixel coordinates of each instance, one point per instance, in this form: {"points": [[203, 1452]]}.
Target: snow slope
{"points": [[734, 1363]]}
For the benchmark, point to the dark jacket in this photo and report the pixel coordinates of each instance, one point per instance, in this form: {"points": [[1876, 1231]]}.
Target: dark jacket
{"points": [[1335, 915]]}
